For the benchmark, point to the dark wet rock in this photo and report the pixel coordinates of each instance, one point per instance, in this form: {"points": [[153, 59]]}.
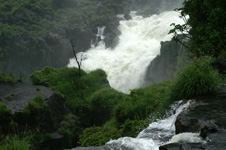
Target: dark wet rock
{"points": [[111, 33], [220, 64], [207, 130], [187, 124], [209, 111], [172, 57], [127, 16], [173, 146], [206, 116], [179, 146], [92, 148], [221, 90]]}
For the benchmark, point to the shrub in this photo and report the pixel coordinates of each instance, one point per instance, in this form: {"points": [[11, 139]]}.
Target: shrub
{"points": [[9, 97], [97, 136], [197, 79], [15, 143], [41, 77], [4, 111], [5, 78], [101, 105], [131, 128], [36, 108], [143, 102]]}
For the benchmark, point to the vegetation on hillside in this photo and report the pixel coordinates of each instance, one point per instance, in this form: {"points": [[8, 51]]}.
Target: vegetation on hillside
{"points": [[30, 29], [91, 99]]}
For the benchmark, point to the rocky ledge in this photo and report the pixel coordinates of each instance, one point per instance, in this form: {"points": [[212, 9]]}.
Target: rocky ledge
{"points": [[48, 120]]}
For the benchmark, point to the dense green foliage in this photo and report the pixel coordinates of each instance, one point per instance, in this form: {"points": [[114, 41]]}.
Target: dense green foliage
{"points": [[208, 31], [97, 136], [5, 78], [37, 104], [143, 102], [36, 109], [197, 79], [75, 89], [131, 128], [15, 143], [102, 105]]}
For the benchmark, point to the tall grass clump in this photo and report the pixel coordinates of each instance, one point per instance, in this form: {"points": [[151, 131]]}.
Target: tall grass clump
{"points": [[197, 79], [15, 143]]}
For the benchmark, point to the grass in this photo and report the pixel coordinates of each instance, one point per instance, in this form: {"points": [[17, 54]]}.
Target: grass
{"points": [[15, 143], [197, 79]]}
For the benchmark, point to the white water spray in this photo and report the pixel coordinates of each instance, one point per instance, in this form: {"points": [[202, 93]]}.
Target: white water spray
{"points": [[138, 45]]}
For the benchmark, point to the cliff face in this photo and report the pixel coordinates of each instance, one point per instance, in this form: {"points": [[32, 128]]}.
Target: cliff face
{"points": [[172, 57]]}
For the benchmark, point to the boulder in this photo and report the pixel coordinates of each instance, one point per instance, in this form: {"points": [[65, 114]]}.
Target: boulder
{"points": [[17, 96], [104, 147]]}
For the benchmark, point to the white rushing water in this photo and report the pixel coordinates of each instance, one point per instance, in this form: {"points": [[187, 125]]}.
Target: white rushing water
{"points": [[139, 44], [157, 134]]}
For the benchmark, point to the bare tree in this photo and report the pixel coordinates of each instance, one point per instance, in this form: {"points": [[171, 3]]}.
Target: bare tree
{"points": [[79, 62]]}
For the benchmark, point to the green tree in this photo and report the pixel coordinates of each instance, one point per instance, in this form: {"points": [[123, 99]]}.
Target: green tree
{"points": [[207, 26]]}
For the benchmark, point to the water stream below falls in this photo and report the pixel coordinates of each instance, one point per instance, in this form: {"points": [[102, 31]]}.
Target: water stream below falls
{"points": [[157, 134], [139, 44]]}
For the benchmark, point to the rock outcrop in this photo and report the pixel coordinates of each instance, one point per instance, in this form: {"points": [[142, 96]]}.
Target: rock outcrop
{"points": [[206, 116], [172, 57], [17, 98]]}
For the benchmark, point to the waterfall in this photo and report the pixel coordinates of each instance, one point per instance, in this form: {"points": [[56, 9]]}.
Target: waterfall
{"points": [[157, 134], [139, 44]]}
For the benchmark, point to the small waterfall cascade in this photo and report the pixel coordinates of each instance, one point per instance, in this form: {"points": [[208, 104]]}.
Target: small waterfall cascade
{"points": [[99, 37], [100, 32], [139, 44], [158, 133]]}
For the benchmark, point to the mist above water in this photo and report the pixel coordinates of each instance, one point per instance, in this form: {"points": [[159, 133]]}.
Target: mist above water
{"points": [[139, 44]]}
